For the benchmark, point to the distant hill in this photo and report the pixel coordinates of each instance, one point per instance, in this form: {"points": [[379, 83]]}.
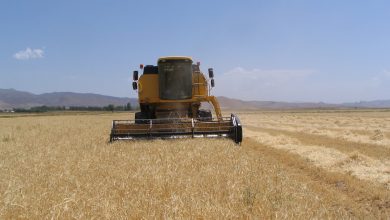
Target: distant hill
{"points": [[370, 104], [11, 98], [229, 103]]}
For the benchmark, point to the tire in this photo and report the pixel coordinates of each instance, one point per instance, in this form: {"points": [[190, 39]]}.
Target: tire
{"points": [[238, 134]]}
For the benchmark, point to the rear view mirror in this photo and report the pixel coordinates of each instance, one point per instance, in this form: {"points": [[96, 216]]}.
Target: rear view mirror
{"points": [[135, 75], [135, 86], [211, 73], [212, 83]]}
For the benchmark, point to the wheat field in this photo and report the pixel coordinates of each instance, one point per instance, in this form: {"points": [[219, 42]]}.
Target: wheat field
{"points": [[291, 164]]}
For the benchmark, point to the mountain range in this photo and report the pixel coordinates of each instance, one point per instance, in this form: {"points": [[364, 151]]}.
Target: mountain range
{"points": [[11, 98]]}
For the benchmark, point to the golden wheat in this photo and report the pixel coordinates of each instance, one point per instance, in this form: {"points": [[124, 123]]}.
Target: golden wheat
{"points": [[62, 166]]}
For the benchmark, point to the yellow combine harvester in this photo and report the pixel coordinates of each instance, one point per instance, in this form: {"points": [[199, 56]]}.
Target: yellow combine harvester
{"points": [[170, 97]]}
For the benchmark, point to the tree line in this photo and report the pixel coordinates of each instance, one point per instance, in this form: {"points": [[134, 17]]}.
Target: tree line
{"points": [[44, 108]]}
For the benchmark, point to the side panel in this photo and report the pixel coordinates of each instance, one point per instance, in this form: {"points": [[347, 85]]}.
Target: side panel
{"points": [[199, 85], [148, 88]]}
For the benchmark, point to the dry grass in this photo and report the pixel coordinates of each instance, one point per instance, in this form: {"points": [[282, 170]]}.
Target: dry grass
{"points": [[62, 167]]}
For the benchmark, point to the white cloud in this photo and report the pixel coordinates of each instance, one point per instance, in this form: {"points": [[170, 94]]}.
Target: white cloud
{"points": [[29, 53], [386, 73], [379, 79], [374, 81], [261, 84]]}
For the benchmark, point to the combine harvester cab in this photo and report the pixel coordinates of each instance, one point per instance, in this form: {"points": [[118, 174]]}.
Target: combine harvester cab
{"points": [[170, 96]]}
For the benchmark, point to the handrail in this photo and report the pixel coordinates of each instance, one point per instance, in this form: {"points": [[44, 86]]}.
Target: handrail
{"points": [[173, 119]]}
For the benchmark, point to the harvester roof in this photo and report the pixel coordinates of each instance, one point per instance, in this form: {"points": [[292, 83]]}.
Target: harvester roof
{"points": [[174, 58]]}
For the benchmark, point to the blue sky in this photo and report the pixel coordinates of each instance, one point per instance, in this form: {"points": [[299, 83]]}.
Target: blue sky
{"points": [[298, 50]]}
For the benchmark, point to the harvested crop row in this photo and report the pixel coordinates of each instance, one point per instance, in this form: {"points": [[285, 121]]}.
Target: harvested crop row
{"points": [[353, 163], [362, 198], [345, 146], [369, 128]]}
